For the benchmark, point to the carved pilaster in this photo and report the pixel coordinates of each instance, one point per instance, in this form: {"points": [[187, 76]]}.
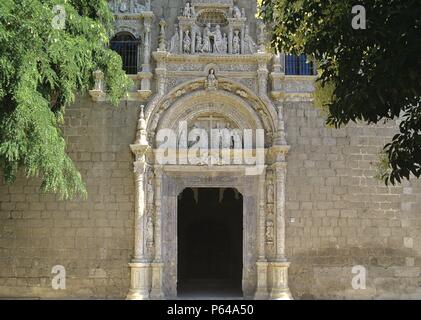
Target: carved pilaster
{"points": [[280, 177], [262, 74], [160, 71], [261, 264], [157, 266], [147, 44], [261, 217]]}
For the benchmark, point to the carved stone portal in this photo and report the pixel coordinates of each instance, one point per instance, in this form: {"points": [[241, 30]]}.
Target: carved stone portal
{"points": [[213, 76]]}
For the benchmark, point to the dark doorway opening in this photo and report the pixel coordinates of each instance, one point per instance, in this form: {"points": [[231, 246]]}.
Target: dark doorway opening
{"points": [[210, 242]]}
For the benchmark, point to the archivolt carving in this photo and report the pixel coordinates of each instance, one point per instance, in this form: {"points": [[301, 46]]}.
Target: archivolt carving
{"points": [[264, 114]]}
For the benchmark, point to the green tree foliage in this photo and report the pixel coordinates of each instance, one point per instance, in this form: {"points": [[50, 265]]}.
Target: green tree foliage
{"points": [[370, 75], [42, 68]]}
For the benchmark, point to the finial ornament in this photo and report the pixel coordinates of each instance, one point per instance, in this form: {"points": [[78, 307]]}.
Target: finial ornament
{"points": [[162, 37], [141, 131]]}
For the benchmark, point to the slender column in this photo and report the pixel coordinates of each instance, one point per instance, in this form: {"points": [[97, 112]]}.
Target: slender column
{"points": [[140, 266], [262, 75], [280, 265], [280, 210], [181, 40], [242, 40], [139, 249], [139, 289], [193, 41], [262, 265], [147, 46], [230, 38], [157, 265]]}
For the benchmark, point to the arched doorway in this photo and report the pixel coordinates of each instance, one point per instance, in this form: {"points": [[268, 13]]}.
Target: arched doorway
{"points": [[210, 242]]}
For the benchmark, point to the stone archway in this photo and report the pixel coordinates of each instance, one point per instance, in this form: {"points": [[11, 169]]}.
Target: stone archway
{"points": [[154, 267]]}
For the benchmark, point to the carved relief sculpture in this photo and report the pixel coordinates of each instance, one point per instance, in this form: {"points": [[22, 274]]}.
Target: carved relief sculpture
{"points": [[218, 41], [216, 32], [188, 11], [206, 48], [149, 232], [175, 41], [225, 43], [198, 41], [213, 31], [150, 195], [249, 45], [236, 43], [270, 192], [269, 232], [212, 81], [236, 13], [187, 42]]}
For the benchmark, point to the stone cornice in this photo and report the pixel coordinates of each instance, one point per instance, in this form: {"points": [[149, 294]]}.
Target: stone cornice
{"points": [[211, 58]]}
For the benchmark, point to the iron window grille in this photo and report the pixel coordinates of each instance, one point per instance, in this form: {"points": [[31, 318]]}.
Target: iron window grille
{"points": [[127, 47]]}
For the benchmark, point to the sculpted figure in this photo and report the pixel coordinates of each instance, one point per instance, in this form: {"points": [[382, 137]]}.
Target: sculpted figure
{"points": [[206, 48], [198, 42], [236, 13], [150, 191], [187, 42], [250, 46], [211, 81], [236, 43], [218, 41], [270, 193], [187, 11], [175, 41], [225, 43], [149, 231]]}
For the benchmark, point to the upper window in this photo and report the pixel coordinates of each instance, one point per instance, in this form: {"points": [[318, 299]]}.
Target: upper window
{"points": [[126, 46], [298, 65]]}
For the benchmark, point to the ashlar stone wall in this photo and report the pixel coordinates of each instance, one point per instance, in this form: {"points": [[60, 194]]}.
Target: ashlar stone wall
{"points": [[339, 216]]}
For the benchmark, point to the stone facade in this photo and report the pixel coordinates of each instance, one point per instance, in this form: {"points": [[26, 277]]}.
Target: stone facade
{"points": [[314, 213]]}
